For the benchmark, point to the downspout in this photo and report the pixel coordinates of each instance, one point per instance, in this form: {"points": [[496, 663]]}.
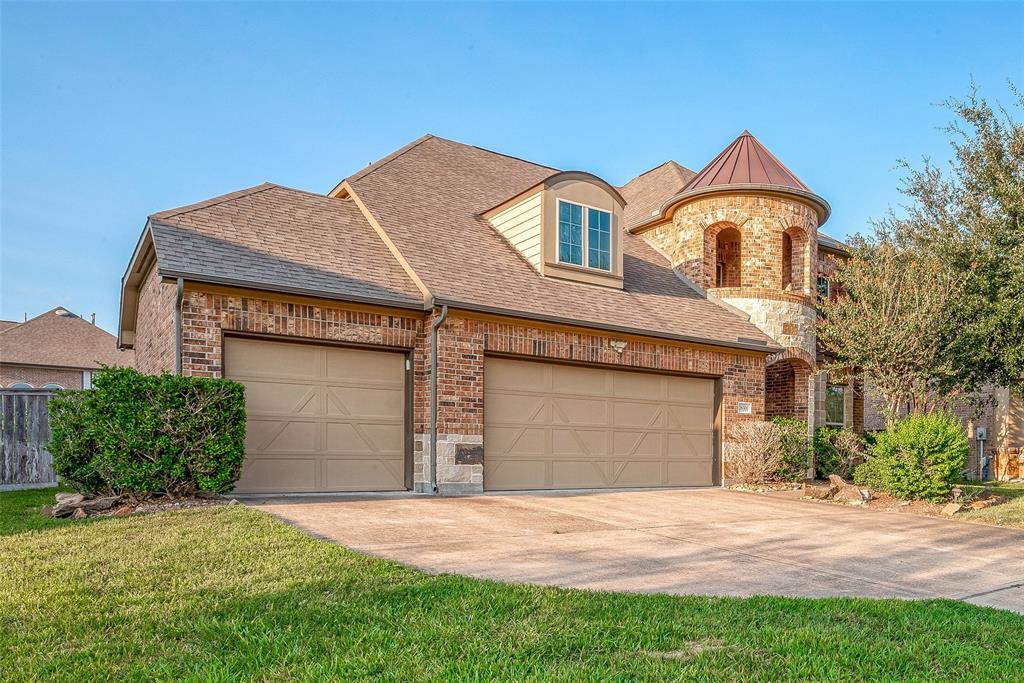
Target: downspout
{"points": [[433, 396], [177, 326]]}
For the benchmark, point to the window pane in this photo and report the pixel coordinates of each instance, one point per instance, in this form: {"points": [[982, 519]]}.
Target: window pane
{"points": [[570, 233], [835, 405], [598, 239], [823, 287]]}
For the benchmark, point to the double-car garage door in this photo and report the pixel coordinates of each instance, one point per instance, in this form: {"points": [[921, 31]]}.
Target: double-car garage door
{"points": [[331, 418], [551, 426]]}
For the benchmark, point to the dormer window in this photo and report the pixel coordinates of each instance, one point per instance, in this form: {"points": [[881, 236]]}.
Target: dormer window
{"points": [[584, 230]]}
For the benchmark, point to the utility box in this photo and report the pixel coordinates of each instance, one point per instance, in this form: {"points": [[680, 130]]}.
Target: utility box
{"points": [[981, 433]]}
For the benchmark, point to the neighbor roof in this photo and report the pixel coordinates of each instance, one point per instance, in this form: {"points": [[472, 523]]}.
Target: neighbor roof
{"points": [[429, 199], [276, 238], [59, 338]]}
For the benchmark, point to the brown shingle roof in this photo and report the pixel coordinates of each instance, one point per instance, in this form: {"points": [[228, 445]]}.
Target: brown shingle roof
{"points": [[8, 324], [277, 238], [429, 198], [648, 191], [58, 338], [746, 161]]}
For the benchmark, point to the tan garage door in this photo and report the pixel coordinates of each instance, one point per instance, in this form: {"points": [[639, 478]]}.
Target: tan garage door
{"points": [[319, 418], [550, 426]]}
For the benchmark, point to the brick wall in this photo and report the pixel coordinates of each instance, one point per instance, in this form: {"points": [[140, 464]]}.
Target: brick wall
{"points": [[154, 335], [464, 341], [39, 377]]}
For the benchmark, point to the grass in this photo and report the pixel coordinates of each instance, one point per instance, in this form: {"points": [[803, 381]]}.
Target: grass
{"points": [[229, 593], [1010, 513], [19, 511]]}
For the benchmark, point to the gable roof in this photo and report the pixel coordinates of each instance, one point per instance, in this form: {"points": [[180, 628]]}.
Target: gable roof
{"points": [[8, 324], [429, 199], [745, 162], [59, 338], [276, 238], [648, 191]]}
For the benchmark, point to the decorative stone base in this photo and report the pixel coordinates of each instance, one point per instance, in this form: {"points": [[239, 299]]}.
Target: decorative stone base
{"points": [[460, 464]]}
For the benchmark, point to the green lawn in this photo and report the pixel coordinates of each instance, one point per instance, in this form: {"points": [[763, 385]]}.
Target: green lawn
{"points": [[1010, 513], [19, 511], [230, 593]]}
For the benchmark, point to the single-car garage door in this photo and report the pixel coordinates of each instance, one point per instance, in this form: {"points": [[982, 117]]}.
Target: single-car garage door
{"points": [[551, 426], [319, 418]]}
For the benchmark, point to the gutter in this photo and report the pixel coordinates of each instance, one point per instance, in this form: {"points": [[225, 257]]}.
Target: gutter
{"points": [[433, 396], [177, 325]]}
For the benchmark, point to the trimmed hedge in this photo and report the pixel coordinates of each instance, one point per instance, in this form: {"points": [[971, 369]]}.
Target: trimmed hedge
{"points": [[920, 457], [143, 434]]}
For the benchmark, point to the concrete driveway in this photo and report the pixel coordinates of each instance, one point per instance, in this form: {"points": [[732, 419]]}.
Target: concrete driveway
{"points": [[698, 541]]}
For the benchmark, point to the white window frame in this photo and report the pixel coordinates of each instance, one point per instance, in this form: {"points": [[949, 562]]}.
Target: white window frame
{"points": [[843, 388], [586, 236]]}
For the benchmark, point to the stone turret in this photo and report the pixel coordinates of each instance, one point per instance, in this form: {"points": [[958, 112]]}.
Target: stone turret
{"points": [[745, 230]]}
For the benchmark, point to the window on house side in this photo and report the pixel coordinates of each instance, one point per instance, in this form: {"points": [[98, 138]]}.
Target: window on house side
{"points": [[53, 386], [824, 287], [584, 230], [835, 406], [20, 385], [599, 239]]}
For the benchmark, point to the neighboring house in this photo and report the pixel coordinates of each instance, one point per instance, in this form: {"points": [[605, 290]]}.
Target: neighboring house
{"points": [[539, 328], [55, 350]]}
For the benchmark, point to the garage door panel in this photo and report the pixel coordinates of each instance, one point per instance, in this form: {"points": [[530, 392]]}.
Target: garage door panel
{"points": [[638, 385], [688, 417], [278, 435], [320, 418], [360, 402], [577, 381], [560, 426], [691, 390], [523, 440], [517, 408], [638, 414], [517, 475], [581, 442], [363, 474], [579, 411], [690, 473], [579, 474], [275, 398], [272, 474]]}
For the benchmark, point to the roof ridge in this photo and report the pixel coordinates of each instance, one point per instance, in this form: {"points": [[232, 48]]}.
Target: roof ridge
{"points": [[383, 161], [213, 201]]}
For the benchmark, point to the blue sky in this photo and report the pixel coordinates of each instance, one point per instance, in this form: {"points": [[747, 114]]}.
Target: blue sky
{"points": [[111, 112]]}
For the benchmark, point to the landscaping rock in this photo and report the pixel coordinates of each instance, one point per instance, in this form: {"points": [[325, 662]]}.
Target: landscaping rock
{"points": [[983, 503], [836, 480], [853, 494], [99, 504], [46, 511], [68, 499], [79, 513], [820, 492], [951, 509], [123, 511]]}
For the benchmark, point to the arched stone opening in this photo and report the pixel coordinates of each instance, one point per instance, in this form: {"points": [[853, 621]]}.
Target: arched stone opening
{"points": [[795, 261], [786, 389], [723, 256]]}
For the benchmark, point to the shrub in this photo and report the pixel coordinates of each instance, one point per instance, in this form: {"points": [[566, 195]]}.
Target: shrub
{"points": [[755, 455], [920, 457], [796, 452], [837, 451], [142, 434]]}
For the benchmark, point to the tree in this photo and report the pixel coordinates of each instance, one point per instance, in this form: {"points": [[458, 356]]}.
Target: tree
{"points": [[933, 307]]}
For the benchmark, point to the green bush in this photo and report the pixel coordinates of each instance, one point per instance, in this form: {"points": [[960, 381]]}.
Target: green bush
{"points": [[920, 457], [143, 434], [796, 452], [837, 451]]}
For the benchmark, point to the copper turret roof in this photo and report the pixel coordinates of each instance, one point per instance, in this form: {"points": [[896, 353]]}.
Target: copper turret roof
{"points": [[745, 162]]}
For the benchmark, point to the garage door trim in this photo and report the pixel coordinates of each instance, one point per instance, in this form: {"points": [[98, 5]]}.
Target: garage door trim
{"points": [[408, 437]]}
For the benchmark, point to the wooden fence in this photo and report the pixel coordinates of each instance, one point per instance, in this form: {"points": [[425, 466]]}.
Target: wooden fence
{"points": [[25, 461]]}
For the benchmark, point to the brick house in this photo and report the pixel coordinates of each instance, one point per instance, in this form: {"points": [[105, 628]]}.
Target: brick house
{"points": [[454, 319], [55, 350]]}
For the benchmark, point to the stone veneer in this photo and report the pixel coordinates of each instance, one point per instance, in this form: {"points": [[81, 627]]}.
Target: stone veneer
{"points": [[464, 341]]}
